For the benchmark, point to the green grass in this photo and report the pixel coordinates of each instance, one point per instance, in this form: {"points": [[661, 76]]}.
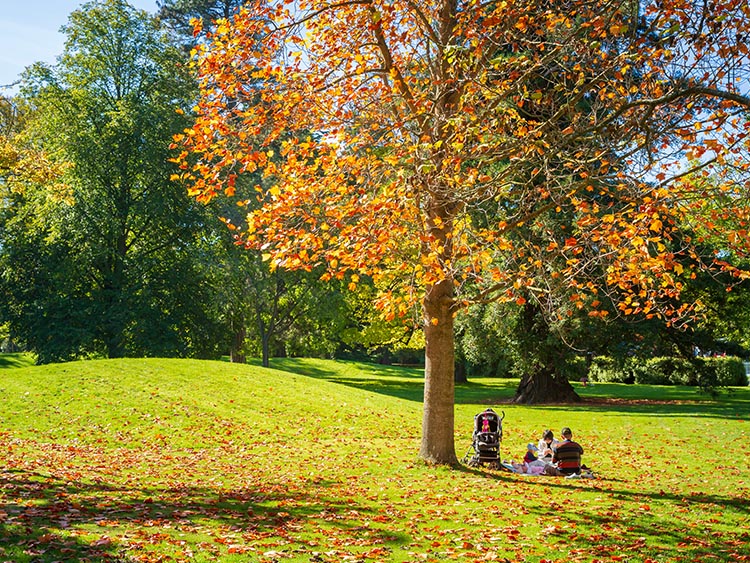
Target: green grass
{"points": [[16, 360], [188, 461]]}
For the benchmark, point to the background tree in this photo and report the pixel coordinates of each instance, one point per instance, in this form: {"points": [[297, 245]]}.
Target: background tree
{"points": [[112, 268], [424, 116], [177, 14], [31, 186], [265, 310]]}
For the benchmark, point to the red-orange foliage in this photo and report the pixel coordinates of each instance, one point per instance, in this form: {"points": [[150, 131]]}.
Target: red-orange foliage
{"points": [[464, 151]]}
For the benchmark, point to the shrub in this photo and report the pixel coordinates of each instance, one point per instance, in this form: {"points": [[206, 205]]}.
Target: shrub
{"points": [[704, 372], [492, 367], [666, 371], [608, 370], [726, 371], [574, 368]]}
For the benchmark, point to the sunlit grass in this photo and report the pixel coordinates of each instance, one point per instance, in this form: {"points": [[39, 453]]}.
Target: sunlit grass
{"points": [[180, 460]]}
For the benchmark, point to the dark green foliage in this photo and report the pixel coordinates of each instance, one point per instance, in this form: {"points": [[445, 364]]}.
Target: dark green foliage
{"points": [[484, 342], [105, 260], [722, 371], [665, 371], [176, 14], [607, 369], [707, 373], [575, 368]]}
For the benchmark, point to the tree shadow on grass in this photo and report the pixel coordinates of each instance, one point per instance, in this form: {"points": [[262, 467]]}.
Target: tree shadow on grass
{"points": [[735, 410], [395, 381], [15, 360], [46, 519], [408, 384]]}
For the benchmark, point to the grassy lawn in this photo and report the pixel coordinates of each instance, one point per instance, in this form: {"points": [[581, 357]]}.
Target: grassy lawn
{"points": [[188, 461], [17, 360]]}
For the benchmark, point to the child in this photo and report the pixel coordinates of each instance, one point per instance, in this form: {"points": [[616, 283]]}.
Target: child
{"points": [[530, 464], [528, 468], [530, 456]]}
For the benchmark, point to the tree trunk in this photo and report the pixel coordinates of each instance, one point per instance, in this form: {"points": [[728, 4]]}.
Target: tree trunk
{"points": [[459, 372], [438, 419], [542, 383], [543, 386], [265, 345], [236, 354], [112, 327]]}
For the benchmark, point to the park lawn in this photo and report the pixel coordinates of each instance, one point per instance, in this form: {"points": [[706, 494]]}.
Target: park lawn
{"points": [[16, 360], [155, 460]]}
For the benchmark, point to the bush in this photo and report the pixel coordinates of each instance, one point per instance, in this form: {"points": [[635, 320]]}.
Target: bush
{"points": [[724, 372], [704, 372], [666, 371], [574, 368], [608, 370], [495, 366]]}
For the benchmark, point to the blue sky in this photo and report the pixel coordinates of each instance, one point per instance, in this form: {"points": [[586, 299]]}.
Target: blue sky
{"points": [[30, 32]]}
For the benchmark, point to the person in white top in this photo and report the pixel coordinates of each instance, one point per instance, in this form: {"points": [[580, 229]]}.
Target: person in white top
{"points": [[547, 445]]}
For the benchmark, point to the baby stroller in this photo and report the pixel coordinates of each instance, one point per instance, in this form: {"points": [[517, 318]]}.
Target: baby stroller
{"points": [[488, 433]]}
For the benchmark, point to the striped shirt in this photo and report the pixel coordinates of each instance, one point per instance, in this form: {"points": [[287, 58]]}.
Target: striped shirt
{"points": [[568, 457]]}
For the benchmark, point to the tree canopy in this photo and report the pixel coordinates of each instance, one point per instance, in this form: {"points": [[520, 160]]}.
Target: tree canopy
{"points": [[460, 152], [96, 243]]}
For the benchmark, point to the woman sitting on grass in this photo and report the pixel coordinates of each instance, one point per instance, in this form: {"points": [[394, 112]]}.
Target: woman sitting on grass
{"points": [[547, 445]]}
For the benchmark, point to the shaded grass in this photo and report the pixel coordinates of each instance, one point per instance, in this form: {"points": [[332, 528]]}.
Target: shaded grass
{"points": [[407, 383], [16, 360], [177, 460]]}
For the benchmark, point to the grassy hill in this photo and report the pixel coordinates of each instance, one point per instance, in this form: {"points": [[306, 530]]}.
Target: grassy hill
{"points": [[156, 460], [16, 360]]}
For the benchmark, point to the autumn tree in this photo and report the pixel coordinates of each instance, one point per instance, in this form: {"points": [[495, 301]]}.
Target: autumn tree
{"points": [[434, 147]]}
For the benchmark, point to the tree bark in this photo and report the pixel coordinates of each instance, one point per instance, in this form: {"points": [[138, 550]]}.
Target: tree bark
{"points": [[544, 386], [438, 418], [542, 383], [459, 373], [265, 349], [236, 354]]}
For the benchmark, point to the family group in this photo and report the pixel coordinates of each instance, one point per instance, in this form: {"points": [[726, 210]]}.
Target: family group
{"points": [[561, 458]]}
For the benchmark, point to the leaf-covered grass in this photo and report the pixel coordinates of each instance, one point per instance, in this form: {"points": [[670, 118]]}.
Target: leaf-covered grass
{"points": [[178, 460]]}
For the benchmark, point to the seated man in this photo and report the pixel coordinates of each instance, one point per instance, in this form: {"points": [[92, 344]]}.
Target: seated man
{"points": [[567, 456]]}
